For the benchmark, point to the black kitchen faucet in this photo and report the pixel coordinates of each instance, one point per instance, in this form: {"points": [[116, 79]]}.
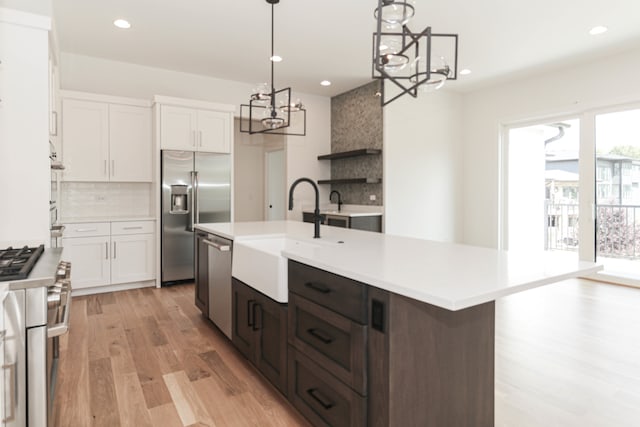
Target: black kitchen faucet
{"points": [[317, 218], [339, 198]]}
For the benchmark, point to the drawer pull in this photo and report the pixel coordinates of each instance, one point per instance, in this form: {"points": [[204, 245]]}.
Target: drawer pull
{"points": [[318, 287], [318, 397], [139, 227], [321, 335]]}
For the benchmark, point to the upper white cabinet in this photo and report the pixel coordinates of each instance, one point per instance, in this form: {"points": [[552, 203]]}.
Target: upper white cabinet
{"points": [[130, 143], [106, 140], [197, 127]]}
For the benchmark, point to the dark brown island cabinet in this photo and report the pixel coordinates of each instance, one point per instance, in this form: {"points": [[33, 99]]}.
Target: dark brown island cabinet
{"points": [[259, 331], [358, 355]]}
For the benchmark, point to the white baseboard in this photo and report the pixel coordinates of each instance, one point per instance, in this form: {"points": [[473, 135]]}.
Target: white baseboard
{"points": [[112, 288]]}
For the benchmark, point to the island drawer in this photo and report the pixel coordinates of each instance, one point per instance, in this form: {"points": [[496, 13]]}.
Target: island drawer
{"points": [[330, 340], [338, 293], [322, 398]]}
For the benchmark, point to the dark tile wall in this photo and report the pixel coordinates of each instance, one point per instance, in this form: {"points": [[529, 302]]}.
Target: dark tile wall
{"points": [[356, 122]]}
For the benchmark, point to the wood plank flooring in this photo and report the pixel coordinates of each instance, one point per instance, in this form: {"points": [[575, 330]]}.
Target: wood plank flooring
{"points": [[567, 355], [147, 357]]}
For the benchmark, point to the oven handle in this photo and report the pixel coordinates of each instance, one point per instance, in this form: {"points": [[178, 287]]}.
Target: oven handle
{"points": [[62, 327]]}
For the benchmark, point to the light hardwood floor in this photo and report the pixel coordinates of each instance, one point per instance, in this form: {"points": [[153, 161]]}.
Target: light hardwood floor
{"points": [[567, 354], [147, 357]]}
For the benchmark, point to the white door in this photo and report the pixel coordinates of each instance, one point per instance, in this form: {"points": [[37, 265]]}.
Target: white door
{"points": [[132, 258], [130, 143], [276, 185], [178, 128], [85, 150], [214, 131], [90, 259]]}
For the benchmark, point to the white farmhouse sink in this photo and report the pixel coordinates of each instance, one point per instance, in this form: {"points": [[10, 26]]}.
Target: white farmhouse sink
{"points": [[259, 263]]}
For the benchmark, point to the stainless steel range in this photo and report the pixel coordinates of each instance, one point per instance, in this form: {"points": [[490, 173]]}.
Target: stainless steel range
{"points": [[36, 312]]}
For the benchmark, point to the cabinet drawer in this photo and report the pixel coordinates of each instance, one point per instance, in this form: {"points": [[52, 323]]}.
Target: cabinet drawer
{"points": [[332, 341], [84, 229], [132, 227], [322, 398], [342, 295]]}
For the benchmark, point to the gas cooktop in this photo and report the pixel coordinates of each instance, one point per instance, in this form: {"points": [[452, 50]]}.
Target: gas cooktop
{"points": [[16, 264]]}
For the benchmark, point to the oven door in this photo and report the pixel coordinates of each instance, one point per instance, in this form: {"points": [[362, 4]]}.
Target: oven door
{"points": [[13, 374], [58, 315]]}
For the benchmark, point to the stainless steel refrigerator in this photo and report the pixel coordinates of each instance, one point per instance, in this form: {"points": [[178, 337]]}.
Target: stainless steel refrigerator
{"points": [[196, 188]]}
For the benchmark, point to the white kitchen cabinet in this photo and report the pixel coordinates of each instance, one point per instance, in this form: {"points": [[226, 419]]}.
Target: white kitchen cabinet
{"points": [[110, 253], [191, 129], [130, 143], [132, 258], [89, 257], [106, 141], [86, 140]]}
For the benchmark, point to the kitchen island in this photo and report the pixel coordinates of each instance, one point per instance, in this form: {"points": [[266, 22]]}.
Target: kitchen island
{"points": [[426, 323]]}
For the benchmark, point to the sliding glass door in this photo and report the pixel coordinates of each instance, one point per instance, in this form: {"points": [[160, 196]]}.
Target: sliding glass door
{"points": [[573, 184], [617, 152]]}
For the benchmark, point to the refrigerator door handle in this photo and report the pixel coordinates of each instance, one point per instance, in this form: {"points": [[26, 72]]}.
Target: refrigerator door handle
{"points": [[193, 202], [197, 199]]}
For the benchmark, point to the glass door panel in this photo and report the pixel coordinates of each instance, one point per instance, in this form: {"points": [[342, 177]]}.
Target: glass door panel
{"points": [[617, 184]]}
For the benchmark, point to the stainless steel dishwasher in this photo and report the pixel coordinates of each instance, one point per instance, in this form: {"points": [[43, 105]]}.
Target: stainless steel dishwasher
{"points": [[213, 279]]}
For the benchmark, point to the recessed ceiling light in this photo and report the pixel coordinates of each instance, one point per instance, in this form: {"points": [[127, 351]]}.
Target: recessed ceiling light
{"points": [[600, 29], [276, 58], [122, 23], [465, 71], [325, 83]]}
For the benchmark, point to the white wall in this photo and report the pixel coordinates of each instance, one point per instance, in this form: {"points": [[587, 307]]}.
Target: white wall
{"points": [[89, 74], [25, 172], [248, 174], [606, 81], [421, 156]]}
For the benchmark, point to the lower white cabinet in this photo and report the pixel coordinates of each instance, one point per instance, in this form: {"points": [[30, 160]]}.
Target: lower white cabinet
{"points": [[110, 253], [132, 258]]}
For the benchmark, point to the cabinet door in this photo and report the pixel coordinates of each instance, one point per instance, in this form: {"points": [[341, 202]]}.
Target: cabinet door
{"points": [[130, 143], [85, 143], [244, 301], [271, 351], [178, 128], [132, 258], [90, 259], [214, 131]]}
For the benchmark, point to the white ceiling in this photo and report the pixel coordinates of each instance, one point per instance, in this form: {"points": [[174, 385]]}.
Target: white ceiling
{"points": [[331, 39]]}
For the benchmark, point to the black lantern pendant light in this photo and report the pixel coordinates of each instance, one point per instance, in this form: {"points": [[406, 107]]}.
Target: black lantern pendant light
{"points": [[273, 108], [406, 59]]}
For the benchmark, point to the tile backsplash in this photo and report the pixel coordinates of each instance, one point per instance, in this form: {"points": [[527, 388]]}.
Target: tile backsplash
{"points": [[105, 199]]}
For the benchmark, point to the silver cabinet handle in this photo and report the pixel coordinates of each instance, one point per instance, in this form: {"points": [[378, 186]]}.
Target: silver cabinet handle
{"points": [[200, 132], [85, 230], [106, 250], [113, 168], [218, 246], [13, 381], [132, 228], [114, 250], [62, 327]]}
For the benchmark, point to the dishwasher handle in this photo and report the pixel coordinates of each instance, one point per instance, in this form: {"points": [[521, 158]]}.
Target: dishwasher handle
{"points": [[218, 246]]}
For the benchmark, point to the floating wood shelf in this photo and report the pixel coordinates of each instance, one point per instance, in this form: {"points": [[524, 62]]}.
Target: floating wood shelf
{"points": [[351, 181], [353, 153]]}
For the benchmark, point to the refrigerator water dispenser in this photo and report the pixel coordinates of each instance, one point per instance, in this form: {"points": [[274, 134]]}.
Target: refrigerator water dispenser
{"points": [[179, 199]]}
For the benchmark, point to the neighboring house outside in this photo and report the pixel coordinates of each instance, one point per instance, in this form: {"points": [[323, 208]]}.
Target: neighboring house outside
{"points": [[618, 204]]}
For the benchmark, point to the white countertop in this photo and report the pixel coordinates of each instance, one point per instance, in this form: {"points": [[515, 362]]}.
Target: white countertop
{"points": [[447, 275]]}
